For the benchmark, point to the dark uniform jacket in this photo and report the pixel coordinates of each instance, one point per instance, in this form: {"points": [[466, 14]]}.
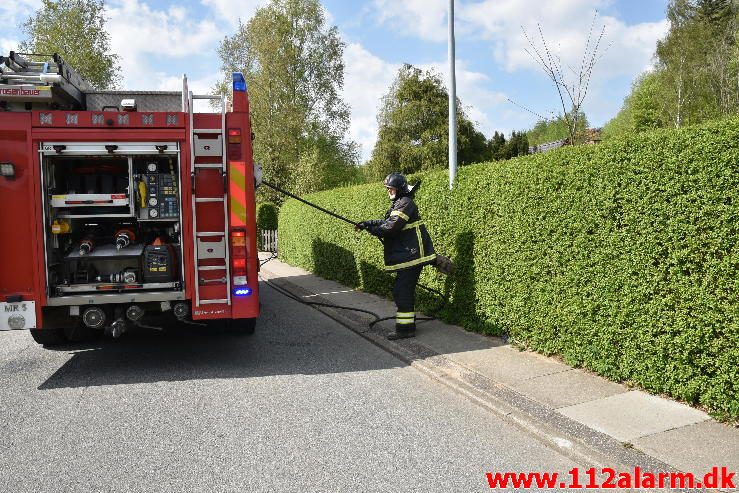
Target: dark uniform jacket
{"points": [[407, 242]]}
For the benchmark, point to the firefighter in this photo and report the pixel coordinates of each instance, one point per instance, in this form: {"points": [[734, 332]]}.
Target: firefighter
{"points": [[408, 248]]}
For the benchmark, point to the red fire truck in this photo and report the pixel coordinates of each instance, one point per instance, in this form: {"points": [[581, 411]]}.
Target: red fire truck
{"points": [[122, 208]]}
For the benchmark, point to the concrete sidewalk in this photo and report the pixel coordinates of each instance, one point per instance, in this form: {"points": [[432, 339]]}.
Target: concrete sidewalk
{"points": [[587, 417]]}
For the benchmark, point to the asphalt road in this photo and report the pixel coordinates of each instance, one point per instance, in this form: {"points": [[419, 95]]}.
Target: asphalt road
{"points": [[303, 405]]}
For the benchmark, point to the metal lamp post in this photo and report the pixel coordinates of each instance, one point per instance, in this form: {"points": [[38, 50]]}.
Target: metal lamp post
{"points": [[452, 102]]}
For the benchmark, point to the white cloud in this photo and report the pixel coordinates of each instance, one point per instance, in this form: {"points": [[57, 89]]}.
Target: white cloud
{"points": [[426, 19], [7, 45], [473, 89], [199, 85], [13, 14], [565, 25], [231, 12], [140, 34], [15, 11], [368, 78], [625, 50]]}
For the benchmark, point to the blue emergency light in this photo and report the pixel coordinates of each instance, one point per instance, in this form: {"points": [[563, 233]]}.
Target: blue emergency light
{"points": [[239, 82], [242, 291]]}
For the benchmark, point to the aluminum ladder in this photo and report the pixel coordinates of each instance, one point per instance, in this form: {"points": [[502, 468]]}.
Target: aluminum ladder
{"points": [[214, 253]]}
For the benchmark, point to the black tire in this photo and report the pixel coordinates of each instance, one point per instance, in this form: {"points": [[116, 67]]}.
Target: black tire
{"points": [[242, 326], [48, 337]]}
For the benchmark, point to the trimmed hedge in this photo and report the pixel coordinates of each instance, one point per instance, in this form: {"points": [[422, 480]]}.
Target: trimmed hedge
{"points": [[621, 258], [267, 214]]}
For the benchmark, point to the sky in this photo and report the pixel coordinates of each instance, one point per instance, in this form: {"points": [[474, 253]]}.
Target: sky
{"points": [[159, 40]]}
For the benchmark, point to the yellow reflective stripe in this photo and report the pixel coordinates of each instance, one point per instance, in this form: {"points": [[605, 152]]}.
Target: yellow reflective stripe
{"points": [[412, 225], [405, 314], [412, 263], [405, 322], [400, 214], [420, 242]]}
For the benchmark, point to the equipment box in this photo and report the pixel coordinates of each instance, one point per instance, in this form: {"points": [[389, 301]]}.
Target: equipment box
{"points": [[112, 222]]}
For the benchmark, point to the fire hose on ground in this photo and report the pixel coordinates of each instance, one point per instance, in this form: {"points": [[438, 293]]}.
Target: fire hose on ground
{"points": [[448, 266]]}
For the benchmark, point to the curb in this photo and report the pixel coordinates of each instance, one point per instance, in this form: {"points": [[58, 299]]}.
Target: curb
{"points": [[570, 438]]}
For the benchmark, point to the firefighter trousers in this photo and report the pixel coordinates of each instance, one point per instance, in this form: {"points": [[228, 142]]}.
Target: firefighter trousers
{"points": [[404, 295]]}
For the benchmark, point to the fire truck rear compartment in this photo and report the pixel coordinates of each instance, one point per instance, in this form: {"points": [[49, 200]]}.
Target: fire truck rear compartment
{"points": [[76, 169], [113, 232]]}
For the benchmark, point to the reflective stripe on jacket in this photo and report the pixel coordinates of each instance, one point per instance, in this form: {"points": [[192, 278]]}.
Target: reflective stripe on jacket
{"points": [[407, 242]]}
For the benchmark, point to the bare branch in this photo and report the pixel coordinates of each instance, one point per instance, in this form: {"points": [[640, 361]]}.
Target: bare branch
{"points": [[529, 110], [575, 90], [552, 68]]}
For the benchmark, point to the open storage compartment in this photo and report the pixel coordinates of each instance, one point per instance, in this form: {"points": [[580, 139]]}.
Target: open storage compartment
{"points": [[112, 221]]}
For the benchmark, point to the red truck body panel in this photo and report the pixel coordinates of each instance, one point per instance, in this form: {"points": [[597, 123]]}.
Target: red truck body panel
{"points": [[22, 267], [19, 222]]}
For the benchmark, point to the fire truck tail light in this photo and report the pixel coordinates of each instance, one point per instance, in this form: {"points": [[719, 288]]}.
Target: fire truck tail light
{"points": [[239, 266], [238, 239], [234, 144], [234, 136], [238, 257]]}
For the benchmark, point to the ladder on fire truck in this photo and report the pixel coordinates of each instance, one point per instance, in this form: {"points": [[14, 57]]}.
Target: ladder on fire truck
{"points": [[211, 249], [24, 80]]}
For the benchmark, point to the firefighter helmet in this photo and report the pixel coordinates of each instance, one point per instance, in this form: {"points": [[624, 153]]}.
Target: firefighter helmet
{"points": [[396, 180]]}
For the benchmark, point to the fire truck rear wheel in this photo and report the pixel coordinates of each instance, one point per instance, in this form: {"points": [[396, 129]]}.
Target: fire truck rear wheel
{"points": [[48, 337]]}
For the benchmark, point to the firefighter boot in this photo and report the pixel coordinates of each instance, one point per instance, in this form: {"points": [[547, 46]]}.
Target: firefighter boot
{"points": [[405, 326], [402, 332]]}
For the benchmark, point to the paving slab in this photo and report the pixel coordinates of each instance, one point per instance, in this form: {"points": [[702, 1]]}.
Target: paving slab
{"points": [[693, 448], [507, 365], [318, 285], [633, 414], [446, 339], [567, 388], [281, 269], [343, 297]]}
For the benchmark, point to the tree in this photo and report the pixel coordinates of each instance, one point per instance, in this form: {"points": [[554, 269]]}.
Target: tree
{"points": [[696, 73], [414, 130], [642, 109], [472, 147], [550, 130], [517, 145], [522, 145], [293, 65], [75, 29], [571, 92], [496, 146]]}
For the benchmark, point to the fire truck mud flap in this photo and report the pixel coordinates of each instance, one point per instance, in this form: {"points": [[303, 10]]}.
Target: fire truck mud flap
{"points": [[18, 315]]}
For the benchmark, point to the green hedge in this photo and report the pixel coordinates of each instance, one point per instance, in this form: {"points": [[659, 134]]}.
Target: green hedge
{"points": [[267, 214], [622, 258]]}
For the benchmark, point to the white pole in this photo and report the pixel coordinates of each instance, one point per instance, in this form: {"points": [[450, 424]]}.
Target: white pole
{"points": [[452, 102]]}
